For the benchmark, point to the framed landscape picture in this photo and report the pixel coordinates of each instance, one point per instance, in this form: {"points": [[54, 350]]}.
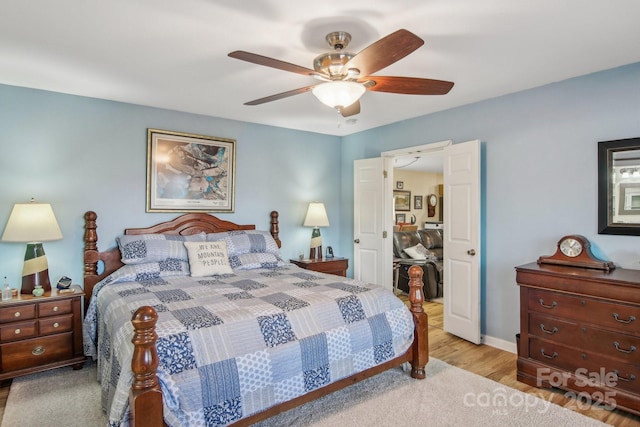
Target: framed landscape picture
{"points": [[402, 200], [190, 173]]}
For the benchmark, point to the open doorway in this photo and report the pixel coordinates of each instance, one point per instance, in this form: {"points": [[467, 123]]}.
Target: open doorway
{"points": [[418, 184]]}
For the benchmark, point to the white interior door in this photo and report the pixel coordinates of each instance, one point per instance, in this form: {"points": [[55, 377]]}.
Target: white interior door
{"points": [[372, 261], [462, 240]]}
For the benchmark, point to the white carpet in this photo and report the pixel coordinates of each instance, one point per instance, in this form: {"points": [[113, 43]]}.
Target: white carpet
{"points": [[449, 396]]}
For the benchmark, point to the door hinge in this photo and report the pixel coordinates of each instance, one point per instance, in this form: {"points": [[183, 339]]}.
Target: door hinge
{"points": [[384, 234], [384, 174]]}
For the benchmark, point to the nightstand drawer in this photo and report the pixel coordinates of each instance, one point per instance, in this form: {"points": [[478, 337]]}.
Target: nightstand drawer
{"points": [[19, 312], [37, 351], [54, 308], [54, 325], [17, 331]]}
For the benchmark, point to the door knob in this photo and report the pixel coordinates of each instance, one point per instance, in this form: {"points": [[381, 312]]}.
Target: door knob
{"points": [[356, 241], [471, 252]]}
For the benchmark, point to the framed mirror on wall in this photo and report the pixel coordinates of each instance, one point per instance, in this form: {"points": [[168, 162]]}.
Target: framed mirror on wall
{"points": [[619, 187]]}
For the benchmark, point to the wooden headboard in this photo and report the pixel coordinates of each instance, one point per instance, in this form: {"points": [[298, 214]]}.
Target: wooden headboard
{"points": [[185, 225]]}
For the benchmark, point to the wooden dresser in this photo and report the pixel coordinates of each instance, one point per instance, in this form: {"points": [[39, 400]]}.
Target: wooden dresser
{"points": [[40, 333], [580, 332]]}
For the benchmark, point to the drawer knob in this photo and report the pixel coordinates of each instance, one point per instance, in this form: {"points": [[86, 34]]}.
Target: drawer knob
{"points": [[16, 314], [38, 350], [17, 331], [55, 308], [631, 377], [547, 331], [553, 304], [548, 356], [55, 325], [624, 350], [618, 319]]}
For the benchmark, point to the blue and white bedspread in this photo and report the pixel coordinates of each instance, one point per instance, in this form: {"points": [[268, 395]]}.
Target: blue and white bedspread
{"points": [[233, 345]]}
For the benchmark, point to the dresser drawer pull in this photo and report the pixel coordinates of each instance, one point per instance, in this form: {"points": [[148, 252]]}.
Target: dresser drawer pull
{"points": [[631, 319], [17, 331], [38, 350], [631, 377], [546, 331], [552, 356], [553, 304], [55, 325], [16, 314], [55, 308], [623, 350]]}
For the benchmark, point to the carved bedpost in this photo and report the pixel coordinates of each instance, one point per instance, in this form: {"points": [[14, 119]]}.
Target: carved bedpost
{"points": [[90, 244], [421, 336], [275, 229], [145, 397]]}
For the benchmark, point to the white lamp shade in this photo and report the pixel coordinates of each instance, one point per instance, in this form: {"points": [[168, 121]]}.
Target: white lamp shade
{"points": [[316, 216], [31, 222], [339, 94]]}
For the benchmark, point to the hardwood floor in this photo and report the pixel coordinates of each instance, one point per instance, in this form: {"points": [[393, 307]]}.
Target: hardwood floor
{"points": [[500, 366], [484, 360]]}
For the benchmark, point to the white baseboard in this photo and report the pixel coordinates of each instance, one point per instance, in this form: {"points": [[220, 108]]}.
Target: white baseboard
{"points": [[509, 346]]}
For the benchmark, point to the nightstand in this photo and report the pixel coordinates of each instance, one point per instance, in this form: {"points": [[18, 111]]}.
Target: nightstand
{"points": [[336, 265], [41, 333]]}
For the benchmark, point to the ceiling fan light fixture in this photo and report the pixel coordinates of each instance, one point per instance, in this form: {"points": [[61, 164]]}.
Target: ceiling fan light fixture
{"points": [[338, 94]]}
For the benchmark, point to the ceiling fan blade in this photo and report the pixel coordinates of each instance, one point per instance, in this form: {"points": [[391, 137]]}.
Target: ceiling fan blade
{"points": [[274, 63], [351, 110], [385, 52], [407, 85], [280, 95]]}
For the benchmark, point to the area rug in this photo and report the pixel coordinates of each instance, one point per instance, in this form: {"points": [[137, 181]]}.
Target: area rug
{"points": [[448, 397]]}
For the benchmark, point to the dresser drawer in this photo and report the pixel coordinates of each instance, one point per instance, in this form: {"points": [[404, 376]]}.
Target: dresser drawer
{"points": [[18, 331], [54, 325], [18, 312], [611, 372], [36, 351], [54, 308], [618, 317]]}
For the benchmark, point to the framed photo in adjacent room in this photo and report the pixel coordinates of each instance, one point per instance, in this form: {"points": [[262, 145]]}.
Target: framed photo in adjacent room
{"points": [[417, 202], [402, 200]]}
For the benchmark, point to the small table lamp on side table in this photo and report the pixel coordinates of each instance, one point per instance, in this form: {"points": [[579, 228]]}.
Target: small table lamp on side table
{"points": [[33, 223], [316, 217]]}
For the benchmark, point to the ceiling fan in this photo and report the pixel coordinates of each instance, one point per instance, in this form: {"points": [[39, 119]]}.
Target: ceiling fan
{"points": [[346, 76]]}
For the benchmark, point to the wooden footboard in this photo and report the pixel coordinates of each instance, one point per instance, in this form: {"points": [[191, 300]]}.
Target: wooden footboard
{"points": [[145, 398]]}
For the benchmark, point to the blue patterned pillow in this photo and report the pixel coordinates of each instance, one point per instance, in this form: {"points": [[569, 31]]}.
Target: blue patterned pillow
{"points": [[247, 241], [146, 248], [150, 270], [251, 261]]}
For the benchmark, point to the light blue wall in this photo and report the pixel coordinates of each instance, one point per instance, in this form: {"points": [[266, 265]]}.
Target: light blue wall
{"points": [[539, 155], [540, 159], [84, 154]]}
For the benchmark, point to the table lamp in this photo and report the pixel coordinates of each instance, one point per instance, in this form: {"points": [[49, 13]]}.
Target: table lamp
{"points": [[33, 223], [316, 217]]}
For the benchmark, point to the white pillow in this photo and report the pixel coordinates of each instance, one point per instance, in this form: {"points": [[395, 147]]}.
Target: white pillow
{"points": [[208, 258], [416, 252]]}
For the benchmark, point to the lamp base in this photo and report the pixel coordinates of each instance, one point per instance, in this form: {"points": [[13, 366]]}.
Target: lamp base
{"points": [[315, 251], [36, 269]]}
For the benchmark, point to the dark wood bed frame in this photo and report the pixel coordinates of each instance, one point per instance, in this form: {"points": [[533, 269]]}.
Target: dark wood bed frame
{"points": [[145, 397]]}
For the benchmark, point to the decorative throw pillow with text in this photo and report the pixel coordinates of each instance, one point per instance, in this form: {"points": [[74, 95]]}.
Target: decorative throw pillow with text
{"points": [[208, 258]]}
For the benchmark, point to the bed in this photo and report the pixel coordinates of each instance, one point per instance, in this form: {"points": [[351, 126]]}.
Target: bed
{"points": [[178, 348]]}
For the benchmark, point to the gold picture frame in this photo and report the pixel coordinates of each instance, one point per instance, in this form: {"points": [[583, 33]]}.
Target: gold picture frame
{"points": [[190, 173]]}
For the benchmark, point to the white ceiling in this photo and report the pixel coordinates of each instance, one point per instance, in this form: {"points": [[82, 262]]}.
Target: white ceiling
{"points": [[173, 54]]}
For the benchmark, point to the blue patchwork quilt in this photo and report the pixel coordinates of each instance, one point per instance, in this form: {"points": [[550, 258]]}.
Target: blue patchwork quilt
{"points": [[233, 345]]}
